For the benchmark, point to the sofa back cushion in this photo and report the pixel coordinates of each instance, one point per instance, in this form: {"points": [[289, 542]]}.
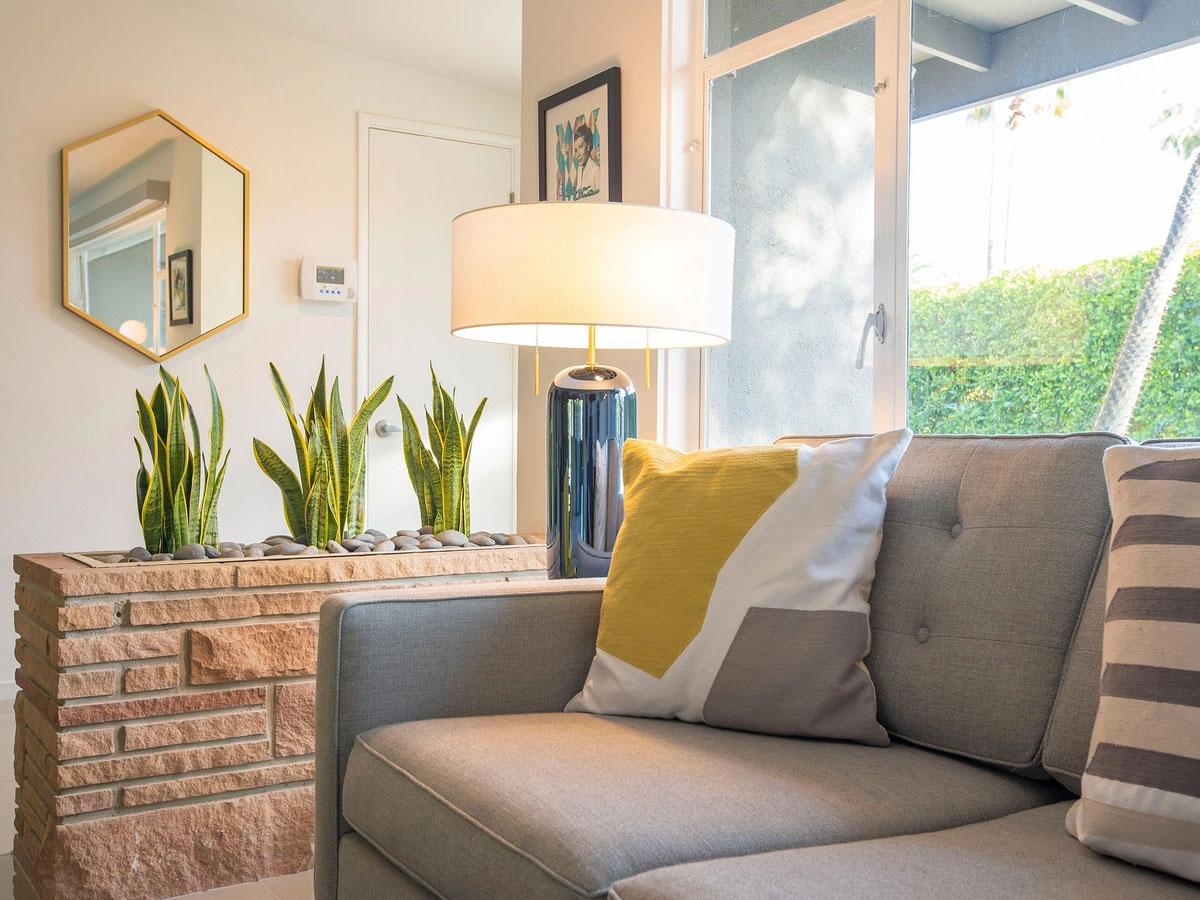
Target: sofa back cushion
{"points": [[1070, 730], [989, 546]]}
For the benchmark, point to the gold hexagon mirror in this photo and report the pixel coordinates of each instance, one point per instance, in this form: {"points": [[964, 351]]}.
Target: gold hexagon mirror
{"points": [[155, 228]]}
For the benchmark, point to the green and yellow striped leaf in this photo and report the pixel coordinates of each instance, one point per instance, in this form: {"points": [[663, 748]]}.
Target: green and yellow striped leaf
{"points": [[143, 480], [339, 445], [176, 449], [158, 405], [179, 519], [289, 485], [151, 512], [146, 421]]}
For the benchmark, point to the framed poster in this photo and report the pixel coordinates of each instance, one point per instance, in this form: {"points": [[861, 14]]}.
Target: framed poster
{"points": [[579, 140], [179, 287]]}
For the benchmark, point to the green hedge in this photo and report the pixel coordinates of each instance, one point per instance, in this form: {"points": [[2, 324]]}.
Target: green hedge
{"points": [[1027, 352]]}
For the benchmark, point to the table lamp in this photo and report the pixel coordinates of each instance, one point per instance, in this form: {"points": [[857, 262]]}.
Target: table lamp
{"points": [[585, 275]]}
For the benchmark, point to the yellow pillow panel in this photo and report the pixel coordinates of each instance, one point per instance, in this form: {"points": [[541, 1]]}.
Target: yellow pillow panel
{"points": [[713, 497]]}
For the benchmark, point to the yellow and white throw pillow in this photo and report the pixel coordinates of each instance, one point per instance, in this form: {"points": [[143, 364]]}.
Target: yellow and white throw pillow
{"points": [[738, 589]]}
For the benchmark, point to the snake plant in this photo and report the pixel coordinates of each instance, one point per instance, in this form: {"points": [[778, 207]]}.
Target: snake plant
{"points": [[439, 475], [323, 498], [177, 497]]}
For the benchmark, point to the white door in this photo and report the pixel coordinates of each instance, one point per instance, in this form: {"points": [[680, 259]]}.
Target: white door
{"points": [[417, 184]]}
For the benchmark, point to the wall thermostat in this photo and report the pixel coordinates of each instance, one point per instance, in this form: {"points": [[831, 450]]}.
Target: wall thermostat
{"points": [[328, 279]]}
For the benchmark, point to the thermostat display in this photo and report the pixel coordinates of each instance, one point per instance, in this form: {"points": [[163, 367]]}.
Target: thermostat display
{"points": [[328, 280]]}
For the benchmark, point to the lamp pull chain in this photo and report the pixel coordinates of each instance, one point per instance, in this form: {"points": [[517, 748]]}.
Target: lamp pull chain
{"points": [[537, 364], [647, 359]]}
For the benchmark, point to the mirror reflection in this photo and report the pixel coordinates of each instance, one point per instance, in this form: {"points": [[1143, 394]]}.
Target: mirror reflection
{"points": [[154, 235]]}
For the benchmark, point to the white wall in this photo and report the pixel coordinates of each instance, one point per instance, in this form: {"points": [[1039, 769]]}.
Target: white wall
{"points": [[556, 52], [283, 108], [221, 203]]}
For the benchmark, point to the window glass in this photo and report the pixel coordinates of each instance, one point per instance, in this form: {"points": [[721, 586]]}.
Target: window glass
{"points": [[791, 149], [731, 22], [1038, 221]]}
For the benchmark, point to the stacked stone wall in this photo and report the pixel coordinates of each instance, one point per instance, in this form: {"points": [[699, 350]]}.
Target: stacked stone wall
{"points": [[165, 732]]}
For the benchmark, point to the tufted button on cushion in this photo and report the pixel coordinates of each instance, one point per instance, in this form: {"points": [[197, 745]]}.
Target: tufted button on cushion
{"points": [[922, 634], [956, 530], [1005, 592]]}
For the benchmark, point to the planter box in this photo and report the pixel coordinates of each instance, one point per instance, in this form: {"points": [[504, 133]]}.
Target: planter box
{"points": [[164, 722]]}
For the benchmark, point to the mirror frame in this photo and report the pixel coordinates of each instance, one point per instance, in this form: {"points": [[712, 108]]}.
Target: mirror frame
{"points": [[66, 238]]}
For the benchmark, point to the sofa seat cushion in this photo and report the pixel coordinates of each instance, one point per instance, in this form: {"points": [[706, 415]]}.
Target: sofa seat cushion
{"points": [[564, 804], [1017, 857]]}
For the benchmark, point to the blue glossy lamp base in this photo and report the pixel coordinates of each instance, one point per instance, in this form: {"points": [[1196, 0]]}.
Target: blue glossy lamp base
{"points": [[589, 414]]}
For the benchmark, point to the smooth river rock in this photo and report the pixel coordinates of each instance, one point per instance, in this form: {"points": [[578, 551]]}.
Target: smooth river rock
{"points": [[140, 554], [161, 557], [408, 533], [383, 547], [482, 539], [425, 529], [290, 548], [452, 537], [335, 547], [402, 540], [232, 553], [190, 551], [429, 544], [211, 552]]}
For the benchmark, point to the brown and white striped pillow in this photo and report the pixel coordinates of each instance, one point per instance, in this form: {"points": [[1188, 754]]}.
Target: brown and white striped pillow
{"points": [[1141, 788]]}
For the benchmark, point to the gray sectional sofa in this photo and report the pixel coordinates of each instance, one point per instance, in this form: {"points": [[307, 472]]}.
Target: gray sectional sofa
{"points": [[445, 767]]}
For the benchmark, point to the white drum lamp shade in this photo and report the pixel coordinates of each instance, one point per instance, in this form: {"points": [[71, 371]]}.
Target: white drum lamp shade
{"points": [[542, 273]]}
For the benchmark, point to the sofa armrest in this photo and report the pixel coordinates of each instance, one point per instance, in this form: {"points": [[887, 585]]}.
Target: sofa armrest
{"points": [[452, 650]]}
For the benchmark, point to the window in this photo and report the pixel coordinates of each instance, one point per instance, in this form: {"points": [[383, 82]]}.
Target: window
{"points": [[1038, 222], [120, 275], [1050, 145], [798, 123]]}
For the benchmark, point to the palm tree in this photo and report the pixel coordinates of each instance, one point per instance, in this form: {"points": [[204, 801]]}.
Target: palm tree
{"points": [[1053, 101], [1137, 349]]}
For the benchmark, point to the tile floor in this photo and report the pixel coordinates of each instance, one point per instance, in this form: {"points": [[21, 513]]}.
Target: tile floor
{"points": [[285, 887]]}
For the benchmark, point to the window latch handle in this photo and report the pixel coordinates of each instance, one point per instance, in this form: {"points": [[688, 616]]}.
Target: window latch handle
{"points": [[876, 320]]}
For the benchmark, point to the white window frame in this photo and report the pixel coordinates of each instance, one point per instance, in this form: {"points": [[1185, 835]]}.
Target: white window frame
{"points": [[686, 179], [114, 240]]}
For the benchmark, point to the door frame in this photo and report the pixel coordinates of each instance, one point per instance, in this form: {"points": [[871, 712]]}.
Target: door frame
{"points": [[368, 122]]}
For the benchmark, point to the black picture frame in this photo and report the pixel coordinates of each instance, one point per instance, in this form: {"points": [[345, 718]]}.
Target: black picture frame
{"points": [[179, 287], [607, 157]]}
